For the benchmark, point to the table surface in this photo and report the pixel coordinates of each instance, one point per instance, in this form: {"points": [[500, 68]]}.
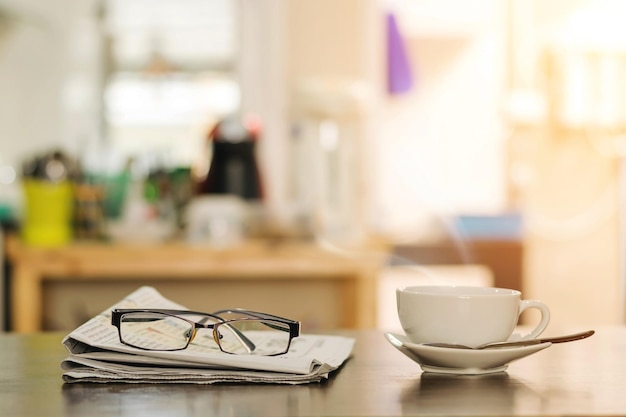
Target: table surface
{"points": [[586, 377]]}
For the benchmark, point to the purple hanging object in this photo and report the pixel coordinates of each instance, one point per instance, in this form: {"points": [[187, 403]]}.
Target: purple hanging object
{"points": [[399, 75]]}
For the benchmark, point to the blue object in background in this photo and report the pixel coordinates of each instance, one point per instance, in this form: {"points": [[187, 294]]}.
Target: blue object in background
{"points": [[507, 226]]}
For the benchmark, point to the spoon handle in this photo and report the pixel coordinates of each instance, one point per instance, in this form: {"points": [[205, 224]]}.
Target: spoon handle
{"points": [[557, 339], [569, 338]]}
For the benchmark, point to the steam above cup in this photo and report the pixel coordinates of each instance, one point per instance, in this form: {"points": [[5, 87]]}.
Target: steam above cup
{"points": [[471, 316]]}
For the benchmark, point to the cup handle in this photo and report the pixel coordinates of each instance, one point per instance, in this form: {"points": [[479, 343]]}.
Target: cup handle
{"points": [[543, 323]]}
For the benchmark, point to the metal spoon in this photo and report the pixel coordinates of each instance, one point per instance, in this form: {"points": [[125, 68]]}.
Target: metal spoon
{"points": [[558, 339]]}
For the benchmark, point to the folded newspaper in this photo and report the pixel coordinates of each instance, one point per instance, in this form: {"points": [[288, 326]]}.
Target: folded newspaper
{"points": [[97, 355]]}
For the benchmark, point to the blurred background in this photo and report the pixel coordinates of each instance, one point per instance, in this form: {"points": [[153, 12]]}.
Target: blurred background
{"points": [[480, 139]]}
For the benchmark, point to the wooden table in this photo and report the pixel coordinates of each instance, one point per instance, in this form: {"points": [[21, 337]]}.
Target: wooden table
{"points": [[587, 378], [355, 271]]}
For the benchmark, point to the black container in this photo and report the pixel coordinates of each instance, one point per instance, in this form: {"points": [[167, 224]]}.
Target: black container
{"points": [[233, 168]]}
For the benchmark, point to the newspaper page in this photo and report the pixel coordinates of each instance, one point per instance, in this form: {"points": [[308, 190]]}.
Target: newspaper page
{"points": [[81, 368], [97, 353]]}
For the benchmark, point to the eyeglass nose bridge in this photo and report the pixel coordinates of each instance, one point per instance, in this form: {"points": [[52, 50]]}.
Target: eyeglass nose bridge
{"points": [[217, 336], [191, 334]]}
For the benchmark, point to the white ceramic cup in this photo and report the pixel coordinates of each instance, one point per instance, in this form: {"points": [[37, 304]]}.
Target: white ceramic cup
{"points": [[470, 316]]}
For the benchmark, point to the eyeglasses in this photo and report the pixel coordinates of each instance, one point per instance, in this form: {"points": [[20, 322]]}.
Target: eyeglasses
{"points": [[238, 331]]}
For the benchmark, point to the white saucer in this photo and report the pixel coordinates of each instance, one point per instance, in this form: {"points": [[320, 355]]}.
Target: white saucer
{"points": [[461, 361]]}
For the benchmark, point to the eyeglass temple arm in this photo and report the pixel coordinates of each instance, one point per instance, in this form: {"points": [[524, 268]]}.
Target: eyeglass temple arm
{"points": [[256, 314], [294, 326]]}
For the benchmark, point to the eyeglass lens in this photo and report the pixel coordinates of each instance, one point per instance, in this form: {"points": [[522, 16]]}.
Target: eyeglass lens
{"points": [[155, 331]]}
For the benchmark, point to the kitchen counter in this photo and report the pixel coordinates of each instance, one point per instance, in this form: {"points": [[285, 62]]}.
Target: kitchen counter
{"points": [[267, 268]]}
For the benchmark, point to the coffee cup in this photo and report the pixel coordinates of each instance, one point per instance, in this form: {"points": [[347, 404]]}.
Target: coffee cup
{"points": [[470, 316]]}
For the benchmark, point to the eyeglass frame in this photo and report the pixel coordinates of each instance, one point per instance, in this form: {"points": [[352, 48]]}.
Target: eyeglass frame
{"points": [[294, 325]]}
